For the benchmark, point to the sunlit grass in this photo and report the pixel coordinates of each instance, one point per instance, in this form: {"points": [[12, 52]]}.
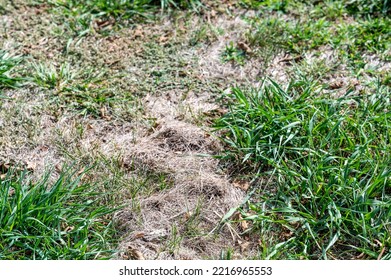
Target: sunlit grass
{"points": [[329, 160], [7, 62], [60, 220]]}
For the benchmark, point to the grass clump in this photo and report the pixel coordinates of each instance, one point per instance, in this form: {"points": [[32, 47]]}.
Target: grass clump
{"points": [[233, 54], [330, 163], [7, 63], [60, 220]]}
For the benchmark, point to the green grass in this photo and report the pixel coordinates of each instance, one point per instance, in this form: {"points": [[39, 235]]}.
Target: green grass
{"points": [[371, 35], [273, 5], [365, 7], [86, 91], [7, 63], [329, 160], [233, 54], [320, 26], [88, 15], [353, 7], [60, 220]]}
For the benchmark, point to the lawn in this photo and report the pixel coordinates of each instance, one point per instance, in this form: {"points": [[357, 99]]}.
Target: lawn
{"points": [[195, 129]]}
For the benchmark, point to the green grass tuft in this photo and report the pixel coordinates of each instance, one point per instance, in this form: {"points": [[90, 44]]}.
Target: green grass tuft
{"points": [[7, 62], [60, 220], [330, 163]]}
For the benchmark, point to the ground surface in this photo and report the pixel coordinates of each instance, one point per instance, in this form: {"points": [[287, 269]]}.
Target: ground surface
{"points": [[136, 99]]}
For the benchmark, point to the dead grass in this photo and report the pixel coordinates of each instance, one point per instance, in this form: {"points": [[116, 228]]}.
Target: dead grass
{"points": [[175, 148]]}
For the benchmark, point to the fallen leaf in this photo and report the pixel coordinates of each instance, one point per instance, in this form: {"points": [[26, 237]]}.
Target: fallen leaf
{"points": [[187, 215], [163, 39], [243, 245], [138, 235], [244, 225], [104, 115], [30, 165], [58, 167], [244, 47], [156, 235], [336, 84], [241, 184], [136, 254], [102, 23], [138, 33]]}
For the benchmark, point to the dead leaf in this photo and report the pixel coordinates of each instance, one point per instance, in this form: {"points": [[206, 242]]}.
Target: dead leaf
{"points": [[241, 184], [244, 225], [58, 167], [163, 39], [187, 215], [243, 245], [30, 165], [104, 115], [244, 47], [138, 235], [102, 23], [138, 33], [336, 84], [155, 236], [135, 254]]}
